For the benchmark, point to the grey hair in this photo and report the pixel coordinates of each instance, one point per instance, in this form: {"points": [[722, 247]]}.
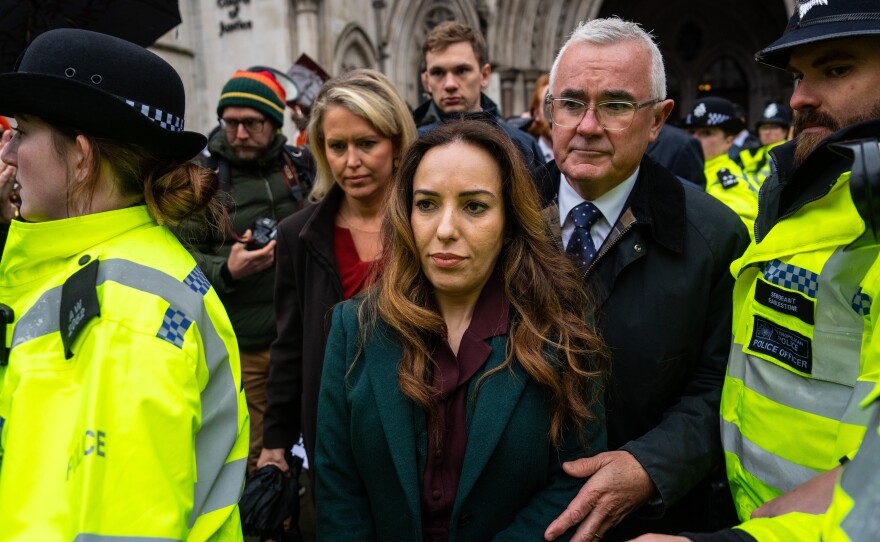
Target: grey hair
{"points": [[611, 31]]}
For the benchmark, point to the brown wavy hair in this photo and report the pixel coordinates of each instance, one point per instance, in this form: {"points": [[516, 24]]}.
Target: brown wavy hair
{"points": [[550, 308]]}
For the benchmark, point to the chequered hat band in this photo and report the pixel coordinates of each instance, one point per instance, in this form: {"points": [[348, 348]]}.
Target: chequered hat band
{"points": [[166, 121]]}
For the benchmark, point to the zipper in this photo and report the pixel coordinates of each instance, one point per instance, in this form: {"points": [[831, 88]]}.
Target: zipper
{"points": [[608, 247], [794, 210]]}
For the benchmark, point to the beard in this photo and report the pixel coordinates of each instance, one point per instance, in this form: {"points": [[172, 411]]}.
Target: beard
{"points": [[810, 117]]}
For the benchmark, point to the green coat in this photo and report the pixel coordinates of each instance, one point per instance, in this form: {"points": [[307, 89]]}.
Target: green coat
{"points": [[372, 444]]}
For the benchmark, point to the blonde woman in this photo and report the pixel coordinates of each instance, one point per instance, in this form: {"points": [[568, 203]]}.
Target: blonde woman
{"points": [[359, 128]]}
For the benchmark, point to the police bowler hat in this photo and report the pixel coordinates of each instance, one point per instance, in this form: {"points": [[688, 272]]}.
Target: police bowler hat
{"points": [[821, 20], [103, 86], [775, 113], [714, 112]]}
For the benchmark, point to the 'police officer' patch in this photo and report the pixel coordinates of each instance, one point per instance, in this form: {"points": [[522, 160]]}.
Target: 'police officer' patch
{"points": [[783, 345]]}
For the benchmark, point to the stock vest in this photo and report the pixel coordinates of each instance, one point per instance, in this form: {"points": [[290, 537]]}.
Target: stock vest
{"points": [[726, 182], [121, 406], [803, 357]]}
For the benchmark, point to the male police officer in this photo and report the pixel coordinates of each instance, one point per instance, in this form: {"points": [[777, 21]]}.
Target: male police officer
{"points": [[806, 352]]}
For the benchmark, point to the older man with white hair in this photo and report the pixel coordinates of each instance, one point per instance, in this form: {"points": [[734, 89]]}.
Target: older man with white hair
{"points": [[655, 253]]}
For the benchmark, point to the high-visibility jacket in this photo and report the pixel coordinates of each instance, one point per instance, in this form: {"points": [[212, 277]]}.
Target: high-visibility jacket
{"points": [[803, 356], [122, 412], [852, 516], [726, 182], [757, 164]]}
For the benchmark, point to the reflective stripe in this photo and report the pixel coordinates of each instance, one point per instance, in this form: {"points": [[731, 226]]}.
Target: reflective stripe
{"points": [[771, 469], [41, 319], [219, 399], [229, 481], [85, 537], [826, 399], [214, 488], [837, 335], [860, 480]]}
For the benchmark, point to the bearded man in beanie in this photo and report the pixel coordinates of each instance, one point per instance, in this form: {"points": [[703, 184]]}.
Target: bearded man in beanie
{"points": [[265, 181]]}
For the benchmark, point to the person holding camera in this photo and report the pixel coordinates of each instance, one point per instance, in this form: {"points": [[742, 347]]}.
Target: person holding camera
{"points": [[265, 181]]}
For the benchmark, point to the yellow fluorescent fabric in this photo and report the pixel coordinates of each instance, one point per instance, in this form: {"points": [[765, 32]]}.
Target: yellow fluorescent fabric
{"points": [[143, 431], [804, 356]]}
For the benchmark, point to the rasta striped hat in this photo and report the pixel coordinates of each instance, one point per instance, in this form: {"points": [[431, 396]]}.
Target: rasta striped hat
{"points": [[258, 90]]}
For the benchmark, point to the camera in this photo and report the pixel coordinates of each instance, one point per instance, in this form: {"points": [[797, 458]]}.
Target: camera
{"points": [[263, 231]]}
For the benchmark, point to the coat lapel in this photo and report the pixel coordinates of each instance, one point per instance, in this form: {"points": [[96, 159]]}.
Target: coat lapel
{"points": [[496, 400], [396, 413]]}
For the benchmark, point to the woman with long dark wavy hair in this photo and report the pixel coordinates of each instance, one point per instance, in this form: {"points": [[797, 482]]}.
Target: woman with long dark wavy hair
{"points": [[455, 388]]}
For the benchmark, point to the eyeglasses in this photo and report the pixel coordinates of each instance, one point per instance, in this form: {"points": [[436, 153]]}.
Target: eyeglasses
{"points": [[611, 115], [251, 126]]}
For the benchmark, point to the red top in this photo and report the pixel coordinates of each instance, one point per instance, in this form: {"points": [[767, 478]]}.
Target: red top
{"points": [[451, 380], [353, 272]]}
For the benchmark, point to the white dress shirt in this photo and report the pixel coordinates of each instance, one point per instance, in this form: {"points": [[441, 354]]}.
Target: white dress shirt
{"points": [[610, 204]]}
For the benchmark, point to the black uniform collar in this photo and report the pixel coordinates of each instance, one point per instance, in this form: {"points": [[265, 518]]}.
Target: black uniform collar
{"points": [[794, 186]]}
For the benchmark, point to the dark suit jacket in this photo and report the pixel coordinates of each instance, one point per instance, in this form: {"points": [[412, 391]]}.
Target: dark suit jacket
{"points": [[664, 293], [372, 447]]}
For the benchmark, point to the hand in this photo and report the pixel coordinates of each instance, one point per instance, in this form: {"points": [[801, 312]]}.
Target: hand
{"points": [[273, 456], [244, 263], [660, 538], [812, 497], [617, 485], [7, 184]]}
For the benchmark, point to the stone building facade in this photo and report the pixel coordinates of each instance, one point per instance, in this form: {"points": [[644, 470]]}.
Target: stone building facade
{"points": [[708, 44]]}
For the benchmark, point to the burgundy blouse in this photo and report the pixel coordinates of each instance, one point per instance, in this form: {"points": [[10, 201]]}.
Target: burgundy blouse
{"points": [[451, 378], [354, 273]]}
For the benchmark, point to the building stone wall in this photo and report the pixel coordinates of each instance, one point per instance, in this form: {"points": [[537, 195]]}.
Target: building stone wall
{"points": [[219, 36]]}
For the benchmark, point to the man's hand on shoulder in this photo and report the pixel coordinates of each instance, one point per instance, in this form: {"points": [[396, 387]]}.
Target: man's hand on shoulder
{"points": [[617, 485]]}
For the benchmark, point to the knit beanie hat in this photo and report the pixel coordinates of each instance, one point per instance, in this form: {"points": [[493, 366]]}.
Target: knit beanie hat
{"points": [[259, 90]]}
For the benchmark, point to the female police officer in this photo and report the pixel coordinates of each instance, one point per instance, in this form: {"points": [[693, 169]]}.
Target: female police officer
{"points": [[120, 405]]}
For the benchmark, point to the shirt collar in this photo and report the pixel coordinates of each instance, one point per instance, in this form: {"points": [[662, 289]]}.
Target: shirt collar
{"points": [[611, 203]]}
